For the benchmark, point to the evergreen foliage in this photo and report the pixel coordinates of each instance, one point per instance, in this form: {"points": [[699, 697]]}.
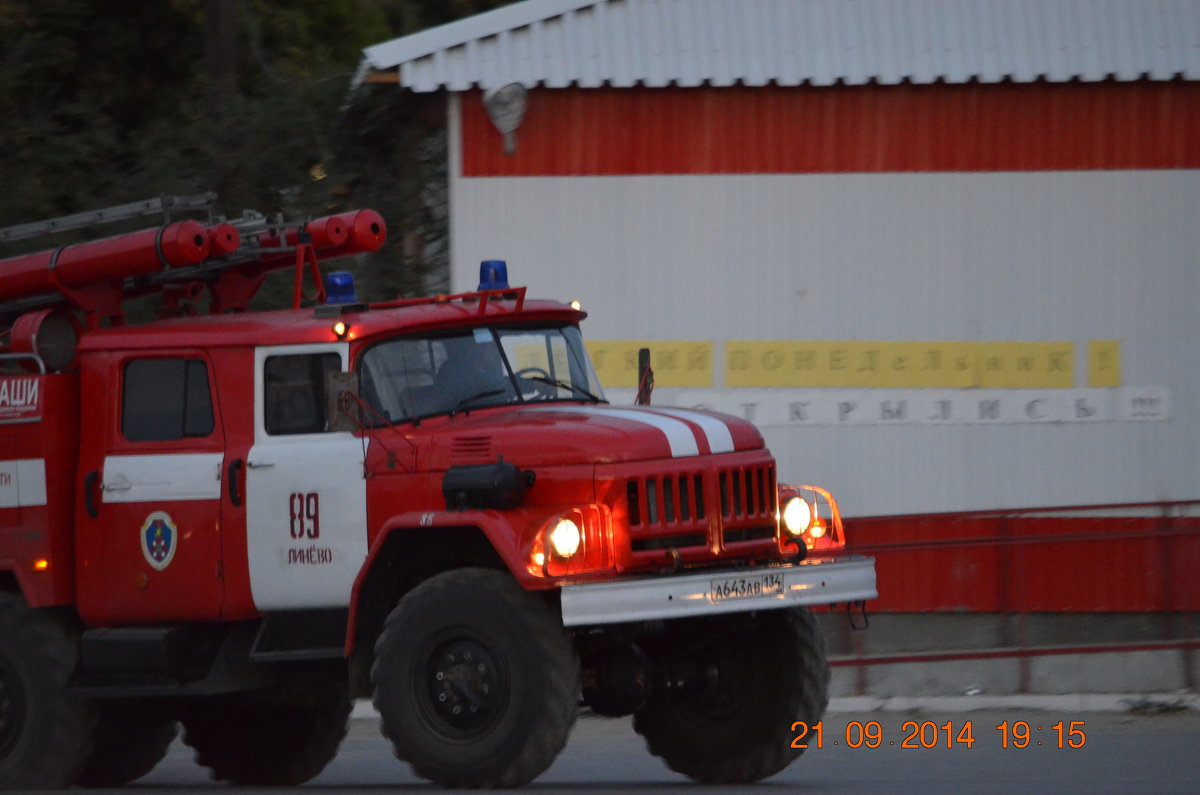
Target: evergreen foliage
{"points": [[106, 102]]}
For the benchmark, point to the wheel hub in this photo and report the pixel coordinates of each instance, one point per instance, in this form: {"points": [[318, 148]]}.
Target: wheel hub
{"points": [[464, 685]]}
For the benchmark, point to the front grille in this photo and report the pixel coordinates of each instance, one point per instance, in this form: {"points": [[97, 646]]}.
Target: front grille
{"points": [[739, 534], [748, 491], [681, 511], [682, 499], [669, 542]]}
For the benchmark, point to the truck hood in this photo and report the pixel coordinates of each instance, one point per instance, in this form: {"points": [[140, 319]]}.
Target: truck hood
{"points": [[563, 434]]}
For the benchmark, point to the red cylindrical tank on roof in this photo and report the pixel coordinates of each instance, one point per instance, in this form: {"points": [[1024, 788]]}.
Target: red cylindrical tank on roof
{"points": [[325, 233], [223, 239], [104, 261], [357, 232], [367, 232]]}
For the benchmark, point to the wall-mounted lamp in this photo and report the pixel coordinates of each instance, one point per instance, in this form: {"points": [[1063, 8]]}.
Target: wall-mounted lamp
{"points": [[506, 108]]}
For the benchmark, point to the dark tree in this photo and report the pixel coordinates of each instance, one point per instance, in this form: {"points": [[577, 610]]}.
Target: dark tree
{"points": [[108, 102]]}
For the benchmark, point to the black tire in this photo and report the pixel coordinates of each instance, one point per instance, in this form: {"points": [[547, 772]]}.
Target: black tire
{"points": [[283, 736], [45, 735], [765, 673], [475, 641], [132, 738]]}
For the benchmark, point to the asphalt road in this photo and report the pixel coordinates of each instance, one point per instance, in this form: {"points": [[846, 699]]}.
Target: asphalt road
{"points": [[1119, 753]]}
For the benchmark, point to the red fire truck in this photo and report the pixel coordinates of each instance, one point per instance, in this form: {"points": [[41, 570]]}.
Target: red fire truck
{"points": [[238, 522]]}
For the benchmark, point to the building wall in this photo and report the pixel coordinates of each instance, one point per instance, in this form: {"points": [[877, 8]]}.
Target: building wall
{"points": [[818, 246]]}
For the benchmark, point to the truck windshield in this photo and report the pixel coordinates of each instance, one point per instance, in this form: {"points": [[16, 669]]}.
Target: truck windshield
{"points": [[413, 377]]}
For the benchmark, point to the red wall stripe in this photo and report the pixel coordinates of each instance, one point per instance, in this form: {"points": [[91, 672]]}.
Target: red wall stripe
{"points": [[1013, 563], [797, 130]]}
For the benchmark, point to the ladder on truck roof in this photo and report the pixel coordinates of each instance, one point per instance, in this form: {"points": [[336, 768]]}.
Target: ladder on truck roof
{"points": [[164, 206], [180, 259]]}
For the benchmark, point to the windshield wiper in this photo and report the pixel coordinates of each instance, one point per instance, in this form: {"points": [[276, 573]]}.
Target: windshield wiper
{"points": [[563, 385], [472, 398]]}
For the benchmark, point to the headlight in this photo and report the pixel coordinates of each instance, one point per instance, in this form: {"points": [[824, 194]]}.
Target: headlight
{"points": [[797, 515], [576, 541], [565, 538]]}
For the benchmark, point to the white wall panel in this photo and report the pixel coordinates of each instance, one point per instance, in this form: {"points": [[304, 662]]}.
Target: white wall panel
{"points": [[1046, 256]]}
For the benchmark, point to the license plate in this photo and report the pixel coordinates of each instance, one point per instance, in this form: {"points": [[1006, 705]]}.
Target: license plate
{"points": [[752, 586]]}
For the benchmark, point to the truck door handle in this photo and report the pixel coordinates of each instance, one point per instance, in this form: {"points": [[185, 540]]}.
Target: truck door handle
{"points": [[235, 469], [260, 465], [89, 489]]}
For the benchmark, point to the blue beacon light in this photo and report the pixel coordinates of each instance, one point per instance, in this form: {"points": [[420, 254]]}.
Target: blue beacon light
{"points": [[339, 288], [493, 275]]}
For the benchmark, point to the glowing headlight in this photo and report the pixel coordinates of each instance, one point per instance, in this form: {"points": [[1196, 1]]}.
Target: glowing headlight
{"points": [[565, 538], [796, 515]]}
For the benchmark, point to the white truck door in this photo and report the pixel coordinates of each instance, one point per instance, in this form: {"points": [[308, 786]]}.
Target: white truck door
{"points": [[306, 500]]}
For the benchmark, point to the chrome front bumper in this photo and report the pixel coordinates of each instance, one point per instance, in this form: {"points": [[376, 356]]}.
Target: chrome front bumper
{"points": [[811, 582]]}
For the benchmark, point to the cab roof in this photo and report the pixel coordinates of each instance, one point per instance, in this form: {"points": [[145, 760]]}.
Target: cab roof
{"points": [[315, 325]]}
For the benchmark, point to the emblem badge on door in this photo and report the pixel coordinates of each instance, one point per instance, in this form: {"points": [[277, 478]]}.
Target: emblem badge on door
{"points": [[159, 537]]}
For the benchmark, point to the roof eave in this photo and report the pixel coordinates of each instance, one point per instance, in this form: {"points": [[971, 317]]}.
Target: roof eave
{"points": [[391, 54]]}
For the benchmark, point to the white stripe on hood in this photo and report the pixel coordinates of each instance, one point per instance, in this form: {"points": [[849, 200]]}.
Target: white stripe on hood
{"points": [[680, 437], [720, 440]]}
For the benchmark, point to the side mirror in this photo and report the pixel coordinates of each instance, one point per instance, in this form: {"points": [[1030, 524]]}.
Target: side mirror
{"points": [[343, 408]]}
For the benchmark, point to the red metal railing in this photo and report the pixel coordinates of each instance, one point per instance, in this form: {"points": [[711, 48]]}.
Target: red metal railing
{"points": [[1024, 566]]}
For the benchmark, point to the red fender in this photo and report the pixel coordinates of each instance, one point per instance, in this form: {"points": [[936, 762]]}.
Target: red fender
{"points": [[492, 524]]}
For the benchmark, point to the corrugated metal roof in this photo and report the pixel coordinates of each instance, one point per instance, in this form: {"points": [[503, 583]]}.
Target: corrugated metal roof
{"points": [[558, 43]]}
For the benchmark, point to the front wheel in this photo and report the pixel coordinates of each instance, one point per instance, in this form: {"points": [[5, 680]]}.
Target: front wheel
{"points": [[476, 680], [748, 685]]}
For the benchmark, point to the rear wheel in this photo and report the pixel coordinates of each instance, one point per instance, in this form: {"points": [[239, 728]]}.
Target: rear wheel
{"points": [[45, 735], [476, 680], [132, 738], [723, 714], [283, 736]]}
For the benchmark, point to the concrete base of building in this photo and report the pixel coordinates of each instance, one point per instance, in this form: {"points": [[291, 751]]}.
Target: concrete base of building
{"points": [[904, 656]]}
